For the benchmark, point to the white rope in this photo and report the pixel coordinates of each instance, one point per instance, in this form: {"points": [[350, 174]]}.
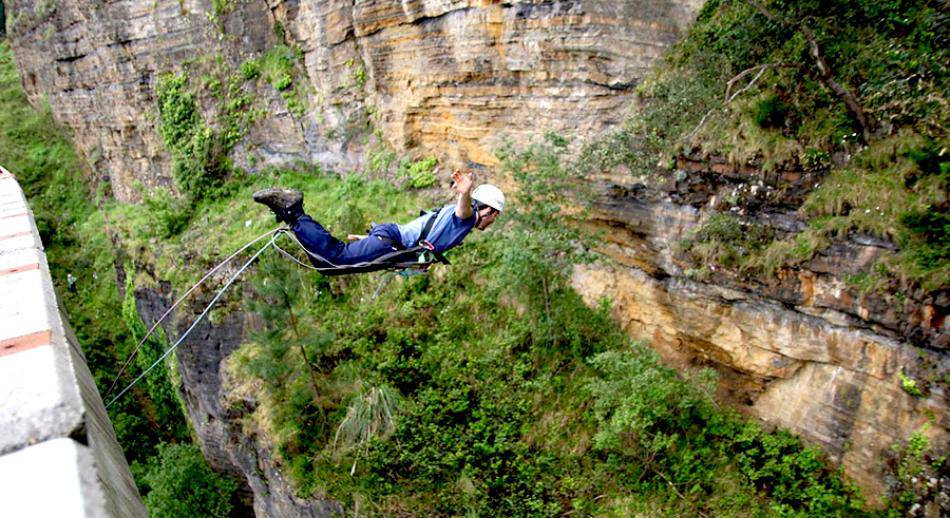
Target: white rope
{"points": [[195, 323], [179, 301], [292, 258], [274, 234]]}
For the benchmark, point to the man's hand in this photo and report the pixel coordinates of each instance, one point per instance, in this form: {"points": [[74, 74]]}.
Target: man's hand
{"points": [[464, 181], [463, 186]]}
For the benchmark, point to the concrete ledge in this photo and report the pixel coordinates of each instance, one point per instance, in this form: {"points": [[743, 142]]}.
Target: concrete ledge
{"points": [[55, 434], [37, 399], [53, 478]]}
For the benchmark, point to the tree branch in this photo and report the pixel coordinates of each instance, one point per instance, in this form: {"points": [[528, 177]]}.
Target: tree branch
{"points": [[729, 84], [824, 71], [740, 75]]}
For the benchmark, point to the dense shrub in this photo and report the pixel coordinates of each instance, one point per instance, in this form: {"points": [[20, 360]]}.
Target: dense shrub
{"points": [[180, 483], [198, 161], [770, 112], [490, 388], [420, 173]]}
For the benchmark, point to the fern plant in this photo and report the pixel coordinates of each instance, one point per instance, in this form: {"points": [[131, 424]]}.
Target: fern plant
{"points": [[371, 415]]}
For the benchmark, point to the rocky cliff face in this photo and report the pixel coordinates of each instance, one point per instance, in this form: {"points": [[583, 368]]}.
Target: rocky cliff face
{"points": [[449, 78], [436, 77], [229, 445], [446, 78], [803, 350]]}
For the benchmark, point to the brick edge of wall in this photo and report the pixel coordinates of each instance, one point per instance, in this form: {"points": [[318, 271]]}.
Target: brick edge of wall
{"points": [[55, 434]]}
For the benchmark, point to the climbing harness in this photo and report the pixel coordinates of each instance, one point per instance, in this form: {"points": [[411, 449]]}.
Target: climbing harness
{"points": [[406, 261]]}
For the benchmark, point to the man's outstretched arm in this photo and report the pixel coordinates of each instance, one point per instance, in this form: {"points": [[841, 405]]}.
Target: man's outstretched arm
{"points": [[463, 186]]}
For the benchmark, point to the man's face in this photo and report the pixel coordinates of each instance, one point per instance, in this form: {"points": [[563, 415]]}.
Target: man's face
{"points": [[486, 217]]}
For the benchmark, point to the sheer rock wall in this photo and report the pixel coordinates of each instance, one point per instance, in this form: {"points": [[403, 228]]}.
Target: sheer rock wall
{"points": [[436, 77], [803, 350], [451, 78]]}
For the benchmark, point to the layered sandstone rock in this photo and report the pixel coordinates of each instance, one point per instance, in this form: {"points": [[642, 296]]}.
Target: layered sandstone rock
{"points": [[801, 351], [438, 77]]}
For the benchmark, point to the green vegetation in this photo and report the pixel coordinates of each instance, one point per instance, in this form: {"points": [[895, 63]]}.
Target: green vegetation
{"points": [[358, 72], [180, 483], [435, 396], [724, 240], [278, 68], [25, 19], [919, 472], [197, 160], [199, 147], [744, 84], [419, 173], [380, 156], [164, 399], [909, 385], [220, 9], [75, 234]]}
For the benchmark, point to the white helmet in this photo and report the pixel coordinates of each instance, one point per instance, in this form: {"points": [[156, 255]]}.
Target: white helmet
{"points": [[488, 194]]}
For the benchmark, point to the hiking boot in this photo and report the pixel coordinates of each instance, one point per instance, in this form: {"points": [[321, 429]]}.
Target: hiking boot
{"points": [[287, 204]]}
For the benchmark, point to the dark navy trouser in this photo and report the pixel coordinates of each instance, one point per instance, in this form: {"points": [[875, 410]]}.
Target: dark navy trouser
{"points": [[318, 241]]}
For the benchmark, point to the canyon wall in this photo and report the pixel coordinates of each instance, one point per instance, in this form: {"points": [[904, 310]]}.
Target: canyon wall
{"points": [[452, 79], [446, 78], [803, 349]]}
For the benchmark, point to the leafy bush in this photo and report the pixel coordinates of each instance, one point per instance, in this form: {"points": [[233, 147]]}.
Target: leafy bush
{"points": [[158, 382], [180, 483], [198, 163], [169, 214], [277, 67], [420, 173], [910, 385], [251, 69], [665, 427], [919, 482], [547, 247], [726, 241], [770, 112]]}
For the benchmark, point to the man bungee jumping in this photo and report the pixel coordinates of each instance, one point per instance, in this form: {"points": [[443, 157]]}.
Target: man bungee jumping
{"points": [[436, 231]]}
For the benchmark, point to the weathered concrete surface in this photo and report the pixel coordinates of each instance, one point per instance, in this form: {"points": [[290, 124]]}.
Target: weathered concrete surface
{"points": [[51, 416], [437, 77], [53, 478]]}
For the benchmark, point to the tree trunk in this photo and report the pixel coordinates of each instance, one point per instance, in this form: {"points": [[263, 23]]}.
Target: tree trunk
{"points": [[824, 71]]}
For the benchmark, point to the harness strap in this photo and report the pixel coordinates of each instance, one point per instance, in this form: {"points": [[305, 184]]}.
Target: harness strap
{"points": [[421, 246], [427, 227], [395, 260]]}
